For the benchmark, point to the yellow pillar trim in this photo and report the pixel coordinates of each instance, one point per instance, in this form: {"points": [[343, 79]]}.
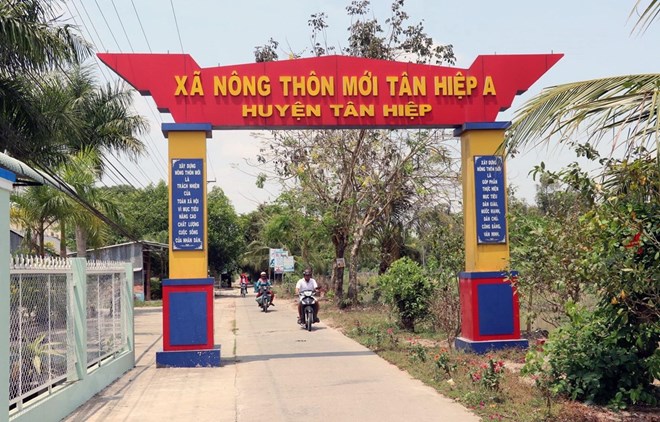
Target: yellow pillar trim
{"points": [[480, 257], [188, 263]]}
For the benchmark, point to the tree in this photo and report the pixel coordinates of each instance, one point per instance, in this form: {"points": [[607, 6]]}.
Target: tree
{"points": [[353, 176], [33, 211], [407, 289], [83, 114], [225, 238], [86, 122], [598, 106], [38, 207], [608, 355], [144, 211], [32, 41], [82, 173]]}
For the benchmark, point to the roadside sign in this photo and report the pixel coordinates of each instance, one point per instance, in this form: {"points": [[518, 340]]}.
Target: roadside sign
{"points": [[288, 264]]}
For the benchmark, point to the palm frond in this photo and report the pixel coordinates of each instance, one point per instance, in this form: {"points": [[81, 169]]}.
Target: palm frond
{"points": [[594, 107], [648, 15]]}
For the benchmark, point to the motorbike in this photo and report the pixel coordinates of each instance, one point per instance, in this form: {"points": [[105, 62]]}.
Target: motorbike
{"points": [[243, 289], [307, 301], [265, 298]]}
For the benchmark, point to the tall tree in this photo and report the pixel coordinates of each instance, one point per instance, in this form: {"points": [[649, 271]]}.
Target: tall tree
{"points": [[144, 211], [224, 233], [83, 114], [82, 174], [33, 40], [87, 122], [352, 176]]}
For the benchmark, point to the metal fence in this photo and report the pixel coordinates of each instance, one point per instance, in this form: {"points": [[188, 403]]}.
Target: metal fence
{"points": [[43, 313]]}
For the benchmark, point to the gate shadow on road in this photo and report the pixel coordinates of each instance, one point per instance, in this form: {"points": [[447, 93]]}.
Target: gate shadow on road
{"points": [[256, 358]]}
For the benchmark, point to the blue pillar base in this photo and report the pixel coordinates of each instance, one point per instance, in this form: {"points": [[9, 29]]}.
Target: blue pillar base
{"points": [[482, 347], [208, 358]]}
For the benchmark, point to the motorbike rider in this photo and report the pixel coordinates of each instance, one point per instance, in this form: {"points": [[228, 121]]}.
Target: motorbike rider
{"points": [[307, 283], [244, 281], [263, 281]]}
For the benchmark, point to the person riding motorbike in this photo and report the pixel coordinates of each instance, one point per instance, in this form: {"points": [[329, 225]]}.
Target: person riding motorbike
{"points": [[244, 282], [263, 281], [307, 283]]}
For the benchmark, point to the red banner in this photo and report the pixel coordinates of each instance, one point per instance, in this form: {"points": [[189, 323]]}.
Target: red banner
{"points": [[330, 91]]}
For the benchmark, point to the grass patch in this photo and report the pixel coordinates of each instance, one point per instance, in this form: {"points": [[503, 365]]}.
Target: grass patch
{"points": [[148, 303]]}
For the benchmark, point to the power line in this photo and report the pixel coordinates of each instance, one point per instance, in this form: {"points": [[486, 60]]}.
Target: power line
{"points": [[84, 26], [122, 26], [127, 171], [141, 27], [90, 21], [176, 23], [107, 24]]}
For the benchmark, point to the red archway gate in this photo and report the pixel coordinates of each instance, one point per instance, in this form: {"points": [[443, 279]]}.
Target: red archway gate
{"points": [[334, 92]]}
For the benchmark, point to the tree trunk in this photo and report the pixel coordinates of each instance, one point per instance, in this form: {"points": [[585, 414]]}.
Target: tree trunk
{"points": [[408, 323], [337, 280], [530, 311], [62, 239], [81, 242], [42, 246], [352, 273]]}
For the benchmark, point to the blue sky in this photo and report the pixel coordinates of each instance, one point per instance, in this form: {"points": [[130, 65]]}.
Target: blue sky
{"points": [[594, 35]]}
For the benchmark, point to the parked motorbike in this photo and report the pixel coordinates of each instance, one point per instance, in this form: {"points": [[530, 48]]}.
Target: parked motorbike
{"points": [[307, 301], [243, 289], [265, 297]]}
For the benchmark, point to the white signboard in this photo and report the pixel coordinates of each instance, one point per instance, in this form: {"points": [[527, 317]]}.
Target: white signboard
{"points": [[274, 256], [288, 264]]}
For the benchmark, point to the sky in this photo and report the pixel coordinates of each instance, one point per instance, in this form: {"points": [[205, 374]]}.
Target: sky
{"points": [[594, 35]]}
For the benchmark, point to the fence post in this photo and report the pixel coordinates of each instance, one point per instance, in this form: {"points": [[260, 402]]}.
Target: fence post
{"points": [[79, 307], [127, 307], [6, 185]]}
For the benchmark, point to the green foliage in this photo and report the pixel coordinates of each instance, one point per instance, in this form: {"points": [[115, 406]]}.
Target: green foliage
{"points": [[416, 351], [34, 39], [156, 288], [444, 365], [489, 374], [608, 355], [407, 289], [601, 358], [551, 250], [144, 211], [225, 236]]}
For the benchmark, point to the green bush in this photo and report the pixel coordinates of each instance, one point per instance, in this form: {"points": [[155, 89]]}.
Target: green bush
{"points": [[407, 289], [156, 288], [600, 358]]}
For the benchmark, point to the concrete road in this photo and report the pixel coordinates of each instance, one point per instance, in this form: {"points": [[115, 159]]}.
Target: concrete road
{"points": [[272, 370]]}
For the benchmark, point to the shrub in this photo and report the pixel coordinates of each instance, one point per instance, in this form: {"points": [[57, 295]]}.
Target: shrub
{"points": [[601, 358], [407, 289], [444, 364], [156, 288], [416, 351]]}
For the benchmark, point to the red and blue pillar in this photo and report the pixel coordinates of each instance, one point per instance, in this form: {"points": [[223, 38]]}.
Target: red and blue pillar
{"points": [[188, 294], [490, 312]]}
